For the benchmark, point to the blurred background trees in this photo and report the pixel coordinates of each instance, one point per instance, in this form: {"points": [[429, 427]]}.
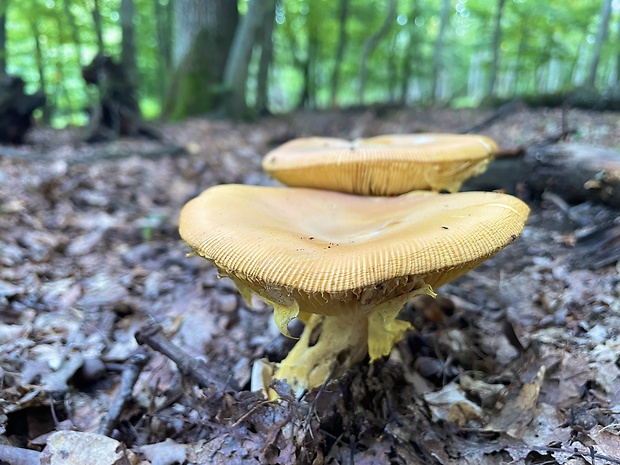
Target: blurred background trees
{"points": [[255, 57]]}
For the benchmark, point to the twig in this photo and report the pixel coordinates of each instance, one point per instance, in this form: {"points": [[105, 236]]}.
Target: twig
{"points": [[582, 453], [252, 410], [106, 154], [129, 377], [18, 456], [190, 367], [499, 114]]}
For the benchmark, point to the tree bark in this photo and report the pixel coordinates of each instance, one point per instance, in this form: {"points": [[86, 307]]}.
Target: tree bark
{"points": [[203, 32], [497, 39], [342, 43], [128, 53], [3, 40], [601, 35], [237, 65], [410, 55], [575, 172], [618, 54], [38, 53], [266, 57], [438, 49], [163, 15], [370, 44], [98, 27], [75, 33]]}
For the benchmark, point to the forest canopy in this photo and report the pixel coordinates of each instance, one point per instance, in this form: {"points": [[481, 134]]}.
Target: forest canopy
{"points": [[184, 57]]}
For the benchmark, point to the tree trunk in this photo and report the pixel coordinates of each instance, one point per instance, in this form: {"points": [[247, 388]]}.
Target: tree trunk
{"points": [[392, 69], [518, 60], [163, 18], [75, 33], [412, 51], [618, 56], [342, 43], [575, 172], [601, 35], [266, 57], [98, 27], [438, 49], [3, 41], [370, 44], [497, 39], [237, 65], [38, 53], [203, 33], [128, 53]]}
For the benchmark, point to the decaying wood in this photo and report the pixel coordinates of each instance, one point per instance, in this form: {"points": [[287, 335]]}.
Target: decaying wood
{"points": [[117, 113], [16, 108], [192, 368], [93, 157], [502, 112], [599, 247], [575, 172], [16, 455]]}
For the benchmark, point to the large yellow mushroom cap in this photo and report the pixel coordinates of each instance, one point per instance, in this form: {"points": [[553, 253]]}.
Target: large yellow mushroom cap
{"points": [[384, 165], [321, 248], [345, 264]]}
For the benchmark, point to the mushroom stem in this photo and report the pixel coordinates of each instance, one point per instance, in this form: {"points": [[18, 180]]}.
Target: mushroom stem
{"points": [[329, 345]]}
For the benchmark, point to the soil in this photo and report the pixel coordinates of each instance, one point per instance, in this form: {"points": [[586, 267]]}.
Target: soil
{"points": [[516, 362]]}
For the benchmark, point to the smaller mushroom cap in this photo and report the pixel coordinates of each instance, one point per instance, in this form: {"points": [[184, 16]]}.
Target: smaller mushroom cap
{"points": [[384, 165]]}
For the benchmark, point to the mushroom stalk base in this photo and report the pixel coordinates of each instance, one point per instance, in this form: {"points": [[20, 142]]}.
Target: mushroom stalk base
{"points": [[328, 346]]}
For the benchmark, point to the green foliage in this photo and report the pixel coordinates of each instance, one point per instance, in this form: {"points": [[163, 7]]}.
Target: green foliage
{"points": [[545, 47]]}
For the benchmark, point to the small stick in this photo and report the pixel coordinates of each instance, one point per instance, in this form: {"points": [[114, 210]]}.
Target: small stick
{"points": [[190, 367], [17, 455], [129, 377], [252, 410]]}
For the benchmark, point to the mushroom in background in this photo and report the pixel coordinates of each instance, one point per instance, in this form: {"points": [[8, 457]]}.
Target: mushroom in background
{"points": [[342, 263], [384, 165]]}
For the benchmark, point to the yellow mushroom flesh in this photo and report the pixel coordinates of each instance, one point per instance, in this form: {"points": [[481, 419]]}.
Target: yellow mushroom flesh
{"points": [[344, 264]]}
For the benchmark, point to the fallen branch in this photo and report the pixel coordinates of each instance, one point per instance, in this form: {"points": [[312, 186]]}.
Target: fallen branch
{"points": [[129, 377], [101, 155], [190, 367], [574, 172], [499, 114], [18, 456]]}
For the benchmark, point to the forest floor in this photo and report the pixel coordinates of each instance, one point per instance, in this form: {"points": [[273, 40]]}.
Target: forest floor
{"points": [[516, 362]]}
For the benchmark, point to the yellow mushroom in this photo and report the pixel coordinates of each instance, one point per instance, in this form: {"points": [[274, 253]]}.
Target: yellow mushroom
{"points": [[344, 264], [384, 165]]}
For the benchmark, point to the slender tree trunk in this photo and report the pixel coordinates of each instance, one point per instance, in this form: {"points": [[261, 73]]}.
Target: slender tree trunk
{"points": [[98, 27], [497, 40], [237, 65], [410, 54], [601, 35], [163, 19], [618, 56], [38, 53], [128, 53], [342, 43], [75, 33], [203, 34], [3, 39], [266, 57], [392, 68], [438, 49], [519, 59], [370, 44]]}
